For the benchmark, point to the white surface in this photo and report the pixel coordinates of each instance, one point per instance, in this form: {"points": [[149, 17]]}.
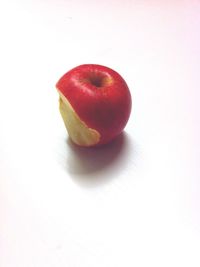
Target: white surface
{"points": [[133, 203]]}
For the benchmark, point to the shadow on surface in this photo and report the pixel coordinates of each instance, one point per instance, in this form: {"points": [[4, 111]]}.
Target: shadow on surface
{"points": [[94, 166]]}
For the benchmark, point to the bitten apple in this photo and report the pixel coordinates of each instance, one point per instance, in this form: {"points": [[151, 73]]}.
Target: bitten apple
{"points": [[95, 104]]}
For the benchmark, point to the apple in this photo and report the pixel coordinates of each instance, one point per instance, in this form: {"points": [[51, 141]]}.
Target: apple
{"points": [[95, 104]]}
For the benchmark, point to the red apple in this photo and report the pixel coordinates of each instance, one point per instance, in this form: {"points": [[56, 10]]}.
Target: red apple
{"points": [[95, 104]]}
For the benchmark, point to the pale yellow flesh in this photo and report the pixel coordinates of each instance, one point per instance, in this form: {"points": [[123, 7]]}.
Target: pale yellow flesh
{"points": [[77, 129]]}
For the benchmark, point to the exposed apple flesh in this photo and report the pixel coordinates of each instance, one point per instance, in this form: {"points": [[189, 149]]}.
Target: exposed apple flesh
{"points": [[77, 129]]}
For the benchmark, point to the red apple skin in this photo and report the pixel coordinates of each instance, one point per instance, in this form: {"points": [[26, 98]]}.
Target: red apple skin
{"points": [[100, 97]]}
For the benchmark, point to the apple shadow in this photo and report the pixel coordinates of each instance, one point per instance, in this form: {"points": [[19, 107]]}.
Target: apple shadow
{"points": [[91, 167]]}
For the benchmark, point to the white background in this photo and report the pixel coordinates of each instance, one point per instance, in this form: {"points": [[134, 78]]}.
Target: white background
{"points": [[135, 202]]}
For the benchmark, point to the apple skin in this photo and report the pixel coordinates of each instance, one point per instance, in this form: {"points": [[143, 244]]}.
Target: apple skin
{"points": [[100, 98]]}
